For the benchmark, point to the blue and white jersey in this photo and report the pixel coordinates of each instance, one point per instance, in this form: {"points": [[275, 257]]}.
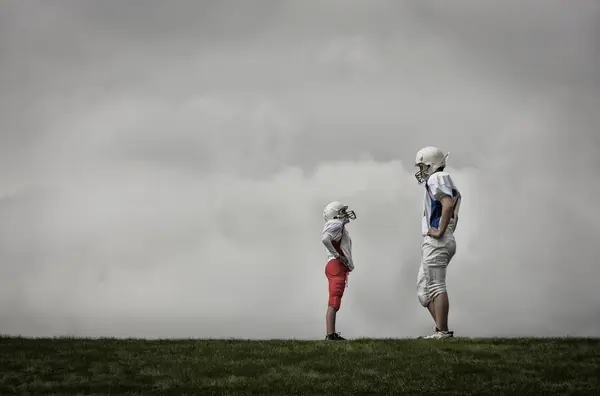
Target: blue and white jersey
{"points": [[340, 239], [438, 185]]}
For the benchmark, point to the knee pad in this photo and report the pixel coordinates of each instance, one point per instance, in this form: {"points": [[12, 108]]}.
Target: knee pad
{"points": [[423, 298], [335, 302], [422, 293], [422, 288]]}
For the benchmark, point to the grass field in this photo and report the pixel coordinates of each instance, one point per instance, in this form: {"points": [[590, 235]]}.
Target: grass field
{"points": [[70, 366]]}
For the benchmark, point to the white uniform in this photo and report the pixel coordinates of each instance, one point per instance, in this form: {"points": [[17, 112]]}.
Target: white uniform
{"points": [[341, 240], [436, 253]]}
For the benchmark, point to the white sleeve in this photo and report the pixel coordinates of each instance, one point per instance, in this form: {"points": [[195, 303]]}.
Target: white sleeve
{"points": [[333, 229], [441, 184]]}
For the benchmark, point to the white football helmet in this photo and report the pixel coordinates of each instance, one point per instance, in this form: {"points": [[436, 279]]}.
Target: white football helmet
{"points": [[337, 210], [428, 160]]}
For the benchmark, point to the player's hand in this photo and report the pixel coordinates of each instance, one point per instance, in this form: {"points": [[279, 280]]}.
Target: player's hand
{"points": [[435, 233]]}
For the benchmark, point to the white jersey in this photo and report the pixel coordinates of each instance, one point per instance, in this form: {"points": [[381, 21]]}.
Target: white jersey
{"points": [[438, 185], [341, 240]]}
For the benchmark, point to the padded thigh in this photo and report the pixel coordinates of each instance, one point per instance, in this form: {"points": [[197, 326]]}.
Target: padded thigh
{"points": [[438, 252], [335, 268], [336, 273]]}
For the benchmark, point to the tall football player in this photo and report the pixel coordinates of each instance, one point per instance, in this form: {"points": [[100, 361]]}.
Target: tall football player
{"points": [[440, 218], [337, 240]]}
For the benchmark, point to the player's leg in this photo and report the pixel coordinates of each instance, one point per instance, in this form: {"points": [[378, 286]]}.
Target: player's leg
{"points": [[440, 303], [431, 309], [438, 254], [423, 292], [336, 277]]}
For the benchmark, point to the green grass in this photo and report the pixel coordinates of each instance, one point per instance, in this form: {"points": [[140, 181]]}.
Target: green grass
{"points": [[72, 366]]}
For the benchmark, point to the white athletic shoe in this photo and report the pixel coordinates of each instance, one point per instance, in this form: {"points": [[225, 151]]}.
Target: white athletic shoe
{"points": [[428, 335], [438, 335]]}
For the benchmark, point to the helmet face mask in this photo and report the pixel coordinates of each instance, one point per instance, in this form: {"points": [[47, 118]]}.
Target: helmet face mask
{"points": [[344, 213], [335, 210], [422, 174]]}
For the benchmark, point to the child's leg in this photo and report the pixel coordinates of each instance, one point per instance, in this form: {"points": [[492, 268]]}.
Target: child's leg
{"points": [[437, 261], [330, 319], [336, 277]]}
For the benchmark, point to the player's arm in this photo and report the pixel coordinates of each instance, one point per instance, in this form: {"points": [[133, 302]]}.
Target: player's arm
{"points": [[447, 209], [332, 233], [327, 240]]}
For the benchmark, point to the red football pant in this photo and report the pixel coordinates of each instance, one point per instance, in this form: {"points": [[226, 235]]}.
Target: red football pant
{"points": [[336, 274]]}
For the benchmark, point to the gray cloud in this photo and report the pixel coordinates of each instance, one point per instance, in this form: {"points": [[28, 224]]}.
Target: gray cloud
{"points": [[164, 169]]}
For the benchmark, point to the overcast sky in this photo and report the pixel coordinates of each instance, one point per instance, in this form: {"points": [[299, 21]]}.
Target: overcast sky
{"points": [[164, 167]]}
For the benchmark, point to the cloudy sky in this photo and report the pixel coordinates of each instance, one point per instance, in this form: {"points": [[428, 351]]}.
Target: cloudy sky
{"points": [[164, 167]]}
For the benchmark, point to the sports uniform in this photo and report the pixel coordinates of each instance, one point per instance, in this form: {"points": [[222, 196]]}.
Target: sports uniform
{"points": [[338, 243], [436, 252]]}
